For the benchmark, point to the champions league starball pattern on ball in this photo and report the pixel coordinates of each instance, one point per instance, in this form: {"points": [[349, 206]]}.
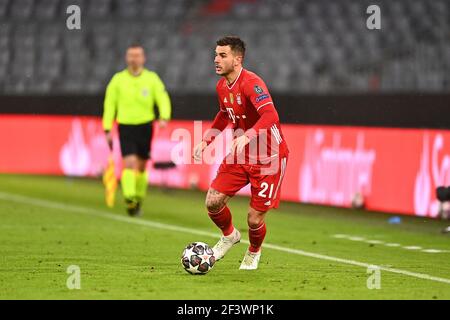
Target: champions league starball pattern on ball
{"points": [[198, 258]]}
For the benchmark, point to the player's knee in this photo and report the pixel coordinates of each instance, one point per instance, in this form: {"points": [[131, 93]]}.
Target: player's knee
{"points": [[214, 205], [255, 220], [141, 165], [130, 162], [215, 201]]}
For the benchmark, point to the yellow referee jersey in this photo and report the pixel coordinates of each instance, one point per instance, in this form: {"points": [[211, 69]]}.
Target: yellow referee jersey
{"points": [[131, 99]]}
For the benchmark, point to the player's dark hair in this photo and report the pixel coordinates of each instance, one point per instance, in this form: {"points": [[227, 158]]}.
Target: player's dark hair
{"points": [[136, 45], [235, 43]]}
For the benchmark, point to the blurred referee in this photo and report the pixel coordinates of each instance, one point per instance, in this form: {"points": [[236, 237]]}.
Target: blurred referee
{"points": [[130, 98]]}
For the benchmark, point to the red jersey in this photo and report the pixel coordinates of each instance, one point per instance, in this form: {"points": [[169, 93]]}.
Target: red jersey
{"points": [[248, 105]]}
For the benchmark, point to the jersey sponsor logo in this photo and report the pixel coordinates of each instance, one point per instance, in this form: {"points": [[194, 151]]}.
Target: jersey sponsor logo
{"points": [[238, 99], [262, 97], [145, 92], [258, 89], [231, 114]]}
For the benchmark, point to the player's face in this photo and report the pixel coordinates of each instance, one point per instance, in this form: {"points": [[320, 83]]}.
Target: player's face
{"points": [[225, 60], [135, 58]]}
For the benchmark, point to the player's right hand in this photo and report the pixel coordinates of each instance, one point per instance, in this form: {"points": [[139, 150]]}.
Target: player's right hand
{"points": [[198, 150]]}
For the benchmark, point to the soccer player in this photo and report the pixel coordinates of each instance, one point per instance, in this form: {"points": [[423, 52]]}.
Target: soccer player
{"points": [[130, 99], [245, 102]]}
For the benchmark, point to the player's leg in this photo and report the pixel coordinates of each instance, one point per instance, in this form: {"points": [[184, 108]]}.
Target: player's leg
{"points": [[143, 139], [265, 196], [256, 234], [230, 179], [141, 182], [216, 203], [220, 214], [256, 229], [129, 149], [129, 182], [142, 178]]}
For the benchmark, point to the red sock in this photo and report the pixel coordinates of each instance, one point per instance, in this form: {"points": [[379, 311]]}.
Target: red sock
{"points": [[223, 220], [256, 237]]}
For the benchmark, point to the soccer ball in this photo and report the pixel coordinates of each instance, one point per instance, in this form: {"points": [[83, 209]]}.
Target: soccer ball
{"points": [[198, 258]]}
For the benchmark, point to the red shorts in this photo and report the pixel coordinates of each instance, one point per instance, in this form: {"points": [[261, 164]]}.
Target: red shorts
{"points": [[265, 182]]}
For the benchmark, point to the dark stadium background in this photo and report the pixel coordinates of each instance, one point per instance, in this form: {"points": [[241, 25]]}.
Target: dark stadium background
{"points": [[322, 64]]}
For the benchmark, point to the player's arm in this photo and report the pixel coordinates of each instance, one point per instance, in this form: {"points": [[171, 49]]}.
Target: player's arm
{"points": [[219, 124], [257, 93], [162, 101], [261, 99], [109, 109], [220, 121], [268, 117]]}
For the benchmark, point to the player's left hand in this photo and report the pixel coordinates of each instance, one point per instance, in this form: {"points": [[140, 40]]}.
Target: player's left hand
{"points": [[163, 124], [239, 144]]}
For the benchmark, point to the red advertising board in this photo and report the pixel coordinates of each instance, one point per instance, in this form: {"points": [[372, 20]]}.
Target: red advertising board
{"points": [[396, 170]]}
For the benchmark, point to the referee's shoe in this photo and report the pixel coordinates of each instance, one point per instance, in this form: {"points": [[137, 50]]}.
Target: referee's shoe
{"points": [[133, 207]]}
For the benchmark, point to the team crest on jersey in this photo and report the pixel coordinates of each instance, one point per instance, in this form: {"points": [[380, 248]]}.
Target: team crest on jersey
{"points": [[231, 98], [145, 92], [238, 99], [258, 89]]}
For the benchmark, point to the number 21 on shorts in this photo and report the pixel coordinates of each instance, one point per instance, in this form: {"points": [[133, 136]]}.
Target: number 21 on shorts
{"points": [[264, 188]]}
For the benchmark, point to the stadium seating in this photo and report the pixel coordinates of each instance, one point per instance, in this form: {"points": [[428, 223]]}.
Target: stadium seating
{"points": [[298, 46]]}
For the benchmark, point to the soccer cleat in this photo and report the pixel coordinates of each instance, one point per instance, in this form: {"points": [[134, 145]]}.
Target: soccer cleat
{"points": [[138, 211], [250, 261], [133, 207], [225, 243]]}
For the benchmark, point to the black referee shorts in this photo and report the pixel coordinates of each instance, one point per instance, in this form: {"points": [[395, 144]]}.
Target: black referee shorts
{"points": [[136, 139]]}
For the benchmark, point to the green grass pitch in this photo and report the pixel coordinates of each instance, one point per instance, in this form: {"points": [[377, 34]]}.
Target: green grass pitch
{"points": [[50, 223]]}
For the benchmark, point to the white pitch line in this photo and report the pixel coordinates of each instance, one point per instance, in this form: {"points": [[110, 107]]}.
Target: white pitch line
{"points": [[375, 241], [356, 238], [392, 245], [433, 251], [411, 248], [157, 225]]}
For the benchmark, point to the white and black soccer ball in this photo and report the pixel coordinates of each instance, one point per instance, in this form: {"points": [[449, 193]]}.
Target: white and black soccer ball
{"points": [[198, 258]]}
